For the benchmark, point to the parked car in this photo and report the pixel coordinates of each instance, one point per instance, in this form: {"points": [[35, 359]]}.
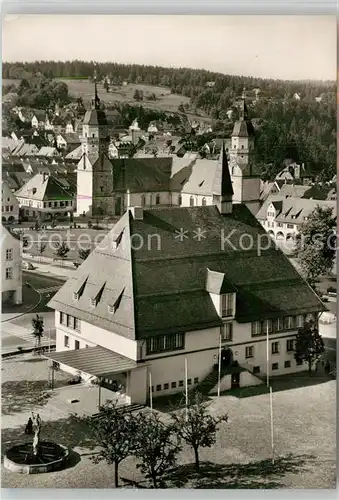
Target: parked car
{"points": [[28, 266]]}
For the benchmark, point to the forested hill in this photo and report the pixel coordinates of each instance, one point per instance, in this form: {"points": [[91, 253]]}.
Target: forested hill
{"points": [[184, 81], [304, 128]]}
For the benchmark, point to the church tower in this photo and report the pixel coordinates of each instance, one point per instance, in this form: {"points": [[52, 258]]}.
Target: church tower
{"points": [[94, 170], [245, 180]]}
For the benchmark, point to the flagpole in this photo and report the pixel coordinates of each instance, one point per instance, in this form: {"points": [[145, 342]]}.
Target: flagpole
{"points": [[150, 392], [219, 367], [186, 388], [267, 357], [272, 431]]}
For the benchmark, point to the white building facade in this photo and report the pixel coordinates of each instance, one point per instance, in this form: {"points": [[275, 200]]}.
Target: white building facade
{"points": [[11, 282]]}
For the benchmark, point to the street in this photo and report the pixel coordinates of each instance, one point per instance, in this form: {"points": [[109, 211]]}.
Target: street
{"points": [[17, 331]]}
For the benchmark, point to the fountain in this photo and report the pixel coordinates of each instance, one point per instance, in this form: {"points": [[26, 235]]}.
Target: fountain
{"points": [[36, 457]]}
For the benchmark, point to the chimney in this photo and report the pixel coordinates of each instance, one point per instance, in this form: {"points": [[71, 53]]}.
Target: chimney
{"points": [[137, 213]]}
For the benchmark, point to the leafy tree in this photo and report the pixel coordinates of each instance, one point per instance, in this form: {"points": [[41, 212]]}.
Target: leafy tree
{"points": [[138, 95], [38, 330], [196, 426], [316, 244], [156, 447], [61, 250], [41, 247], [114, 433], [84, 253], [309, 345]]}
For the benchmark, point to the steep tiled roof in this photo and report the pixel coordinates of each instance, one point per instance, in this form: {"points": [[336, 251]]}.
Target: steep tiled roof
{"points": [[25, 150], [243, 128], [47, 151], [164, 289], [76, 154], [95, 117], [45, 187]]}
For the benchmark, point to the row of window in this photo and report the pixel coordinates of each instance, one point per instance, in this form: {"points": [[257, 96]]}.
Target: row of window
{"points": [[163, 343], [76, 342], [69, 321], [9, 254], [57, 204], [9, 273], [8, 208], [275, 366], [275, 348], [280, 224], [174, 385], [280, 324], [157, 201]]}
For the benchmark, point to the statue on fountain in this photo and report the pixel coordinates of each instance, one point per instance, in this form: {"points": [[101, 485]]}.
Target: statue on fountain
{"points": [[36, 431]]}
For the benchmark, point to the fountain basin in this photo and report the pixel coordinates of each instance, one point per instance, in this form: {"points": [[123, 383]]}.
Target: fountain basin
{"points": [[51, 457]]}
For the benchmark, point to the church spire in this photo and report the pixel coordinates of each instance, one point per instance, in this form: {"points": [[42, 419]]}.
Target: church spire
{"points": [[226, 183], [222, 185], [243, 114], [96, 100]]}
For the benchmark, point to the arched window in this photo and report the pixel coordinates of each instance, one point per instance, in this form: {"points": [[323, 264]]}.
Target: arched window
{"points": [[143, 200], [179, 200], [157, 199], [203, 202], [191, 201]]}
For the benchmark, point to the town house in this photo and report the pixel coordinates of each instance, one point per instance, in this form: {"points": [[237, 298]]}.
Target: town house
{"points": [[46, 197], [11, 273]]}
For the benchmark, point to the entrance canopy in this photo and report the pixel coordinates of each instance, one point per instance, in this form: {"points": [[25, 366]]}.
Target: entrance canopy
{"points": [[96, 361]]}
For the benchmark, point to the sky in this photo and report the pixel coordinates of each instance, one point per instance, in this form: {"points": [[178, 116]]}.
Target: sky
{"points": [[286, 47]]}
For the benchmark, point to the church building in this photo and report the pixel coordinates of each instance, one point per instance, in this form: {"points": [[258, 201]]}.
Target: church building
{"points": [[109, 186]]}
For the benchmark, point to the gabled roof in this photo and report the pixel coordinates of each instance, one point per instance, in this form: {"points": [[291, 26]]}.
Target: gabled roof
{"points": [[47, 151], [157, 281], [45, 188], [294, 210]]}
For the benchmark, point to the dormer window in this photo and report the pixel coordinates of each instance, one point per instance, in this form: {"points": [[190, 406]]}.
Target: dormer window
{"points": [[34, 190], [227, 305], [93, 302], [117, 240], [113, 307], [75, 296]]}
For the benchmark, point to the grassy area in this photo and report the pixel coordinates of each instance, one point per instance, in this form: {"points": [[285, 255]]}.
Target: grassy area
{"points": [[304, 437], [166, 101]]}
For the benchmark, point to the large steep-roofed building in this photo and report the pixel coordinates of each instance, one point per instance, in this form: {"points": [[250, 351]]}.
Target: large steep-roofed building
{"points": [[166, 284]]}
